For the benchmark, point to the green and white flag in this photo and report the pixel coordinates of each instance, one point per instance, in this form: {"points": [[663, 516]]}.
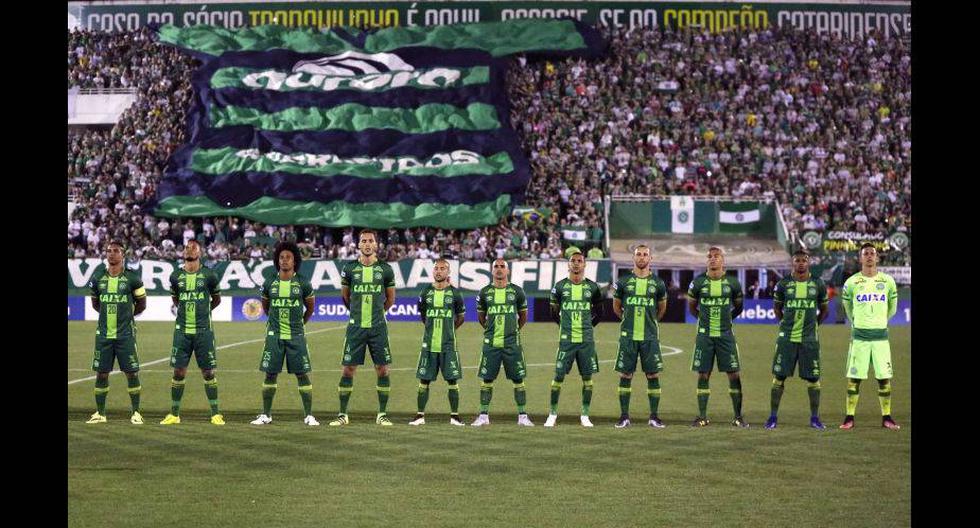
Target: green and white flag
{"points": [[573, 232], [738, 217], [681, 214]]}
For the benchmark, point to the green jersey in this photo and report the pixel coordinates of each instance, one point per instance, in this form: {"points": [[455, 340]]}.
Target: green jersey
{"points": [[286, 299], [502, 307], [367, 291], [870, 302], [576, 302], [640, 297], [716, 300], [117, 296], [193, 292], [440, 308], [801, 301]]}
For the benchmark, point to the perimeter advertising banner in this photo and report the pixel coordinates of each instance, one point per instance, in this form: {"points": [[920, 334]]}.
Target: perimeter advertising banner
{"points": [[852, 20], [760, 311]]}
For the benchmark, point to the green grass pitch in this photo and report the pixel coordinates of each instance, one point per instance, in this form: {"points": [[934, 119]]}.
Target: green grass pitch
{"points": [[287, 474]]}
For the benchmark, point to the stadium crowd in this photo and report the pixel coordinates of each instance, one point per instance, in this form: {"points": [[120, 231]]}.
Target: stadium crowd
{"points": [[818, 122]]}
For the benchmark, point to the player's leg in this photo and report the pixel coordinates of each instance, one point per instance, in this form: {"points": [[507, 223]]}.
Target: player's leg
{"points": [[565, 356], [490, 360], [102, 365], [858, 360], [129, 363], [273, 356], [626, 366], [653, 364], [298, 364], [810, 371], [381, 356], [728, 361], [354, 349], [179, 358], [702, 361], [515, 370], [451, 372], [205, 354], [588, 365], [783, 364], [424, 372], [881, 356]]}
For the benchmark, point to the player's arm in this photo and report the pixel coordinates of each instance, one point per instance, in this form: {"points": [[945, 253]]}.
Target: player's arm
{"points": [[460, 309], [521, 318], [847, 299], [389, 277], [661, 301], [777, 301], [174, 294], [555, 305], [892, 299], [823, 302], [521, 309], [94, 292], [215, 292], [309, 300], [692, 299], [738, 300], [618, 300], [598, 307], [139, 296], [421, 307], [265, 298], [345, 287]]}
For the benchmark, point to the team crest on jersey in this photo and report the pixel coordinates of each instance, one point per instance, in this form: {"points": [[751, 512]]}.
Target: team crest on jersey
{"points": [[725, 290], [295, 290], [510, 297], [880, 286], [813, 291]]}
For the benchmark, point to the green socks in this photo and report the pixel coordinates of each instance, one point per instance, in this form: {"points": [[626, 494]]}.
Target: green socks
{"points": [[735, 390], [344, 389], [423, 398], [268, 393], [384, 387], [703, 393], [305, 393], [624, 391], [211, 390], [853, 391], [813, 391], [555, 393], [453, 398], [134, 388], [586, 395], [176, 393], [885, 399], [520, 396], [775, 395], [101, 391], [653, 393], [486, 394]]}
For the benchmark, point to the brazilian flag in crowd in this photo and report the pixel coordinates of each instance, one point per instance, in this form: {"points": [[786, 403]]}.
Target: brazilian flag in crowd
{"points": [[404, 127]]}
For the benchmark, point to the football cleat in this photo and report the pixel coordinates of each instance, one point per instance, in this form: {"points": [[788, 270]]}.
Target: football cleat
{"points": [[655, 422], [700, 422], [816, 423], [262, 419], [419, 420], [888, 423], [848, 423], [738, 421], [481, 420], [455, 420], [341, 419], [771, 423], [170, 420], [624, 421], [218, 419], [96, 418], [136, 419], [310, 420], [550, 422], [382, 419], [584, 420], [524, 421]]}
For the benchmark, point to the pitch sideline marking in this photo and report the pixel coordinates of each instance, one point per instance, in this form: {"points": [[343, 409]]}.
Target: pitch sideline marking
{"points": [[222, 347]]}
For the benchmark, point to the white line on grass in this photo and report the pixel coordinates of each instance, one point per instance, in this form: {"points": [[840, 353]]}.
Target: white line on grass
{"points": [[674, 352], [222, 347]]}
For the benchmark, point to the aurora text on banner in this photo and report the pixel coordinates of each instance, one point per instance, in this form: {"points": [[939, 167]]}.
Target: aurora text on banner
{"points": [[396, 127]]}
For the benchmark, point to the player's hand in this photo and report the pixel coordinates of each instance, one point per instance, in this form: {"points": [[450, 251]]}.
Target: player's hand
{"points": [[173, 309]]}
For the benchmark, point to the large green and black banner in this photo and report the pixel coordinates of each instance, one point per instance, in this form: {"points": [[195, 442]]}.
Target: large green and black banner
{"points": [[852, 20]]}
